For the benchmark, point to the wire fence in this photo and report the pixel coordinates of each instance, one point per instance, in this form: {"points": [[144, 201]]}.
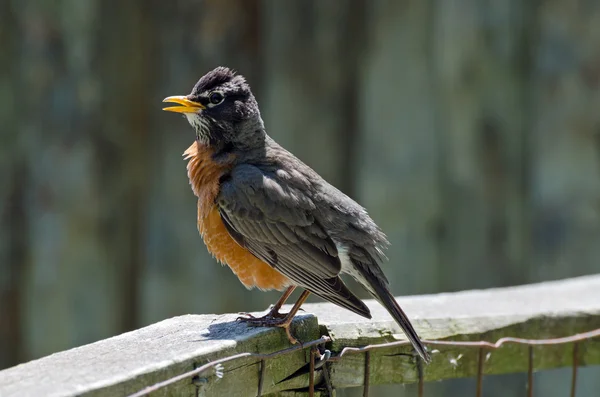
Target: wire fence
{"points": [[320, 358]]}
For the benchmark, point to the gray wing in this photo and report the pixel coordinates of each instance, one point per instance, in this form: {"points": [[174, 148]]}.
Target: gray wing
{"points": [[274, 219]]}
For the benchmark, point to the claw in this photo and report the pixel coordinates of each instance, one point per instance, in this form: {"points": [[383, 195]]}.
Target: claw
{"points": [[292, 340], [244, 316], [265, 321], [271, 319]]}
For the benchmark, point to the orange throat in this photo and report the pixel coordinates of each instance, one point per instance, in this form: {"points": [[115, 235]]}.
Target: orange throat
{"points": [[204, 176]]}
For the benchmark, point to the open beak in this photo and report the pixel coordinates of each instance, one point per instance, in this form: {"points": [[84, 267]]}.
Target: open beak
{"points": [[186, 106]]}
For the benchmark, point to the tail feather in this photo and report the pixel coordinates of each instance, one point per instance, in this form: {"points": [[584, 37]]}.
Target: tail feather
{"points": [[342, 297], [385, 297]]}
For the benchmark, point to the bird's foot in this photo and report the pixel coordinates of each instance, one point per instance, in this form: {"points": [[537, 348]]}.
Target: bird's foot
{"points": [[271, 319]]}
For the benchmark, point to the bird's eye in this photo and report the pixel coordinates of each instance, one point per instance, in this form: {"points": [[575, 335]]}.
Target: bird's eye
{"points": [[215, 98]]}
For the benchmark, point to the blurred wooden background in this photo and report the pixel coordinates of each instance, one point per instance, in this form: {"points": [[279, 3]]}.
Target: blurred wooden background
{"points": [[469, 129]]}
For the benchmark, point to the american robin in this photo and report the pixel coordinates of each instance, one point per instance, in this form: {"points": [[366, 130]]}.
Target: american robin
{"points": [[270, 217]]}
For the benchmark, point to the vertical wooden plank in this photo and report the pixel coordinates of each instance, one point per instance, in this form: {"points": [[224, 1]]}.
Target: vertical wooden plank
{"points": [[314, 55], [397, 169], [122, 145], [13, 231], [566, 166], [566, 153], [304, 102], [69, 291], [482, 152], [397, 153], [481, 52]]}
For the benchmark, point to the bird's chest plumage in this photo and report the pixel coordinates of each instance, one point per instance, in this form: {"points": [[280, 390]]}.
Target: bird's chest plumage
{"points": [[204, 175]]}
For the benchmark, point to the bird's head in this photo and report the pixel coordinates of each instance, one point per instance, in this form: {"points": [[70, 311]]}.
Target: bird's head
{"points": [[222, 110]]}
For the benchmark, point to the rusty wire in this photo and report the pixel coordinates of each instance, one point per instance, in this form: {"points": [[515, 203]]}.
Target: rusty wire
{"points": [[328, 384], [367, 375], [326, 358], [421, 374], [480, 372], [575, 366], [311, 373], [530, 372], [261, 378]]}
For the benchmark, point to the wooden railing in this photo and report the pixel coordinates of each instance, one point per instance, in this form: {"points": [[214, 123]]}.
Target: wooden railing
{"points": [[214, 355]]}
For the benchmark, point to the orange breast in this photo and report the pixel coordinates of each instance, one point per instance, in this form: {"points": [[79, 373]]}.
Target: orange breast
{"points": [[204, 177]]}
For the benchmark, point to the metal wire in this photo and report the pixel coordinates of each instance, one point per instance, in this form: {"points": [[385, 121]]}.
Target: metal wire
{"points": [[367, 374], [480, 372], [421, 374], [311, 374], [327, 380], [261, 378], [530, 372], [325, 359], [575, 367]]}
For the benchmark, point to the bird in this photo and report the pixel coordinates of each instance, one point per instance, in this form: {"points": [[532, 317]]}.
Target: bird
{"points": [[270, 217]]}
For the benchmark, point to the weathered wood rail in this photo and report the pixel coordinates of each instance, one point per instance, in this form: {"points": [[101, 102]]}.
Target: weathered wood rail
{"points": [[130, 362]]}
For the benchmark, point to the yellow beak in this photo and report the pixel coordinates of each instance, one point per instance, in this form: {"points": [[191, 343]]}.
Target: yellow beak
{"points": [[187, 106]]}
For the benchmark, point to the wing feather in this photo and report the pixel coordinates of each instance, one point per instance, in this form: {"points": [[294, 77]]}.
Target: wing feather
{"points": [[275, 221]]}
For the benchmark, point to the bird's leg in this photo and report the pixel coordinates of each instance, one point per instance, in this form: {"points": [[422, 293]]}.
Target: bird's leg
{"points": [[273, 311], [287, 320], [281, 321]]}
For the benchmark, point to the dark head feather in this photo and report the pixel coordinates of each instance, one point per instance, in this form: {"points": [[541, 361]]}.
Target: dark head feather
{"points": [[215, 78], [234, 120]]}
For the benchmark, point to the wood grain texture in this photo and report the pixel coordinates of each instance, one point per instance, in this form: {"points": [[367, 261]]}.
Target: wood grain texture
{"points": [[129, 362]]}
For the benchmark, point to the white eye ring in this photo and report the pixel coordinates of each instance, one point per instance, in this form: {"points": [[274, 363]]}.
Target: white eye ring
{"points": [[215, 98]]}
